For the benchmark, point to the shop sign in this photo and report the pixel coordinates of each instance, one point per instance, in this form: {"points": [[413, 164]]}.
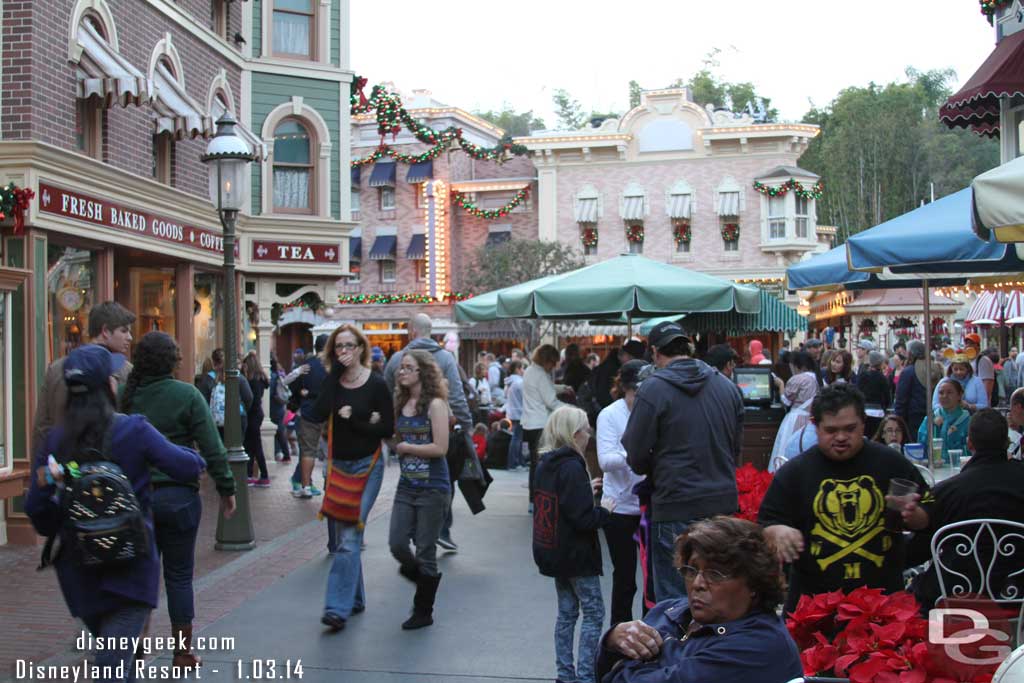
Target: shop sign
{"points": [[60, 202], [295, 252]]}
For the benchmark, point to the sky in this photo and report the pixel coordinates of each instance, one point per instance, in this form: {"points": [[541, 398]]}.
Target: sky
{"points": [[479, 55]]}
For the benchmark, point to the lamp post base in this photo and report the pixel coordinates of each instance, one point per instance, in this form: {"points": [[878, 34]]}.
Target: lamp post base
{"points": [[237, 532]]}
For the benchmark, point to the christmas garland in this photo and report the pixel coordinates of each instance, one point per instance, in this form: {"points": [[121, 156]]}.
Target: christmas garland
{"points": [[407, 298], [635, 232], [681, 232], [731, 232], [589, 237], [990, 7], [392, 116], [13, 202], [792, 184], [470, 207]]}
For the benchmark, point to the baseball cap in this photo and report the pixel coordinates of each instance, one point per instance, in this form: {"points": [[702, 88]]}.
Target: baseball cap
{"points": [[866, 345], [972, 337], [666, 332], [629, 373], [299, 352], [635, 348], [812, 342], [90, 366], [376, 353]]}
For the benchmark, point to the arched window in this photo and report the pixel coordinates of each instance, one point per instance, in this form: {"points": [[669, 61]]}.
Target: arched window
{"points": [[294, 174]]}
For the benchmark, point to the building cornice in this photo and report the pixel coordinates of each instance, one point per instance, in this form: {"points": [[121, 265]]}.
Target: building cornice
{"points": [[300, 69], [200, 31]]}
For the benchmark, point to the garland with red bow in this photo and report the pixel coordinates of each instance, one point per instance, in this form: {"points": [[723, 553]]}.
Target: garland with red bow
{"points": [[470, 207], [731, 232], [681, 232], [635, 232], [589, 237], [14, 201]]}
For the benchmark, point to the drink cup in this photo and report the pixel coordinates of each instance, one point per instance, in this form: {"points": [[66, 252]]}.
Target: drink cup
{"points": [[955, 457], [936, 453], [900, 493]]}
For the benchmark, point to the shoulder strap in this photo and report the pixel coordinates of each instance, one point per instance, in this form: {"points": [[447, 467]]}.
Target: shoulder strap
{"points": [[108, 438]]}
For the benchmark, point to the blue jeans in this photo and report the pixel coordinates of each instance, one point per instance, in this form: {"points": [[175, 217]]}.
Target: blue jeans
{"points": [[668, 583], [345, 582], [176, 514], [124, 621], [515, 446], [575, 593]]}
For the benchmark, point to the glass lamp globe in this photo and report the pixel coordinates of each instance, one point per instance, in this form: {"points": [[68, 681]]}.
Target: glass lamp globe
{"points": [[227, 157]]}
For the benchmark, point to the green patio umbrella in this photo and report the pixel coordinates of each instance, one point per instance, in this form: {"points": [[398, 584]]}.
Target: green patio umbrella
{"points": [[628, 285]]}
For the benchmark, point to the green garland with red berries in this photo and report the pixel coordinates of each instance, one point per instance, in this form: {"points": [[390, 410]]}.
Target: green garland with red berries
{"points": [[13, 202], [589, 237], [792, 184], [681, 232], [731, 232], [464, 202], [406, 298], [392, 116], [990, 7]]}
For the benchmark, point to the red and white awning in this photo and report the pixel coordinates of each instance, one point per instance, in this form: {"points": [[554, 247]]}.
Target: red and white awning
{"points": [[989, 307]]}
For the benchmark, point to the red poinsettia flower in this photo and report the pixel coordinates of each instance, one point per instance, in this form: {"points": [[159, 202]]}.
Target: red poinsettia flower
{"points": [[820, 657]]}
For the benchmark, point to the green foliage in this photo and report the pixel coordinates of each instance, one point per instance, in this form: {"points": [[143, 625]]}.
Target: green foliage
{"points": [[882, 147], [568, 110], [634, 94], [515, 123]]}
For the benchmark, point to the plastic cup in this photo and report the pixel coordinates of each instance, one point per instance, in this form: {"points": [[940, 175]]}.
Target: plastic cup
{"points": [[955, 456], [936, 453], [900, 492]]}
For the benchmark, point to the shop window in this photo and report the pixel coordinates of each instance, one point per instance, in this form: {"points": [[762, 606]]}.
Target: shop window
{"points": [[163, 159], [387, 199], [294, 170], [151, 297], [70, 283], [387, 271], [777, 218], [294, 28], [802, 217], [89, 127], [206, 319]]}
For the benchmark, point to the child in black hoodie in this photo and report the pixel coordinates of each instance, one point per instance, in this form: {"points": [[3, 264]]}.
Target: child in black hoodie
{"points": [[565, 541]]}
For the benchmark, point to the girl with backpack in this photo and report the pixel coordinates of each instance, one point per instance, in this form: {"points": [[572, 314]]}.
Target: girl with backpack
{"points": [[252, 440], [111, 589], [424, 489], [178, 411]]}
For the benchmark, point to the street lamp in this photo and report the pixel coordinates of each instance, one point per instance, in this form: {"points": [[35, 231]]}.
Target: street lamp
{"points": [[228, 157]]}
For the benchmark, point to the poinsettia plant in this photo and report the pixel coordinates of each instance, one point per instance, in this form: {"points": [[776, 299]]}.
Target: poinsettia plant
{"points": [[870, 637], [751, 484]]}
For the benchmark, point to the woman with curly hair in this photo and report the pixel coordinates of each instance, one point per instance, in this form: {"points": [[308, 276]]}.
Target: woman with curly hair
{"points": [[726, 629], [179, 412], [423, 493]]}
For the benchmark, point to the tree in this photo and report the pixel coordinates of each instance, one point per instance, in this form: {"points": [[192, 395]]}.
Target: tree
{"points": [[513, 122], [517, 261], [634, 94], [568, 110], [882, 150]]}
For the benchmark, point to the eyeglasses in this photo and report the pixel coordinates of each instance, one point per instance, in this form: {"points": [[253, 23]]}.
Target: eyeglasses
{"points": [[712, 576], [892, 430], [347, 346], [403, 368]]}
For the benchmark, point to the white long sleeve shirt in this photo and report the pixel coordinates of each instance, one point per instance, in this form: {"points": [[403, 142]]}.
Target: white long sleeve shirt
{"points": [[619, 480], [539, 397]]}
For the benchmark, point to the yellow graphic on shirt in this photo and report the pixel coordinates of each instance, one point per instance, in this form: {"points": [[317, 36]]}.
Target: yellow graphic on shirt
{"points": [[849, 517]]}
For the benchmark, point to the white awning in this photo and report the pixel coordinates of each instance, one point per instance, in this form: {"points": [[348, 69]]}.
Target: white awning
{"points": [[255, 143], [104, 73], [586, 210], [728, 203], [679, 206], [176, 112], [633, 209]]}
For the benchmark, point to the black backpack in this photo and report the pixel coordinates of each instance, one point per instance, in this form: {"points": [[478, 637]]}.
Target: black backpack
{"points": [[102, 522]]}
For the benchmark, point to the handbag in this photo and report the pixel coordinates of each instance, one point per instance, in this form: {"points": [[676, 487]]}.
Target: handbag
{"points": [[343, 493]]}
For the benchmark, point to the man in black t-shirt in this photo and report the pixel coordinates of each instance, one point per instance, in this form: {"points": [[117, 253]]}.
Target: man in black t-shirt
{"points": [[824, 511]]}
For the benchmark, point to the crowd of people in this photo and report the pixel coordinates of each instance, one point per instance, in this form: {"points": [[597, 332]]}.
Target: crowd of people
{"points": [[642, 444]]}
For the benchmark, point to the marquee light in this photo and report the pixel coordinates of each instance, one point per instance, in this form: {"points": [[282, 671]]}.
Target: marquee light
{"points": [[435, 215]]}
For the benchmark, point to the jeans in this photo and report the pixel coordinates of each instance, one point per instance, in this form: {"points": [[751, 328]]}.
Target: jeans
{"points": [[281, 439], [622, 549], [532, 440], [176, 514], [124, 621], [345, 582], [418, 514], [574, 593], [668, 583], [253, 443], [515, 446]]}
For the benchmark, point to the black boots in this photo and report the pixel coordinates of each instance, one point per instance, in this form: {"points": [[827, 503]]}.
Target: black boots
{"points": [[423, 602]]}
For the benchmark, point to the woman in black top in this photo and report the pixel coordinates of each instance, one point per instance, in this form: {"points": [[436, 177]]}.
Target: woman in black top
{"points": [[875, 387], [361, 411], [252, 440]]}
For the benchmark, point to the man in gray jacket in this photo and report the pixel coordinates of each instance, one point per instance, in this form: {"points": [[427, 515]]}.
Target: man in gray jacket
{"points": [[684, 433], [420, 326]]}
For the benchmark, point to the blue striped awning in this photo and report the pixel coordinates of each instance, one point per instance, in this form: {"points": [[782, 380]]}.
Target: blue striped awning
{"points": [[383, 174], [420, 172], [355, 249], [384, 248], [417, 249], [356, 175], [498, 237]]}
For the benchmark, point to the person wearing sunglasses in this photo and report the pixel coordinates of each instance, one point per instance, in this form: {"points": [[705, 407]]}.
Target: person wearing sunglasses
{"points": [[725, 629]]}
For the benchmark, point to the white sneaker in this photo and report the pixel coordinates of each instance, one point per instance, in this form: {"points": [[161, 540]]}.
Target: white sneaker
{"points": [[303, 492]]}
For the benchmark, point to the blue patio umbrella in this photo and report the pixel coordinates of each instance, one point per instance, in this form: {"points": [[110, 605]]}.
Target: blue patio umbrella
{"points": [[830, 271]]}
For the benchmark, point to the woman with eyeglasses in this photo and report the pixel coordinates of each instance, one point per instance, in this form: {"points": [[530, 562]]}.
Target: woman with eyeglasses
{"points": [[726, 629], [422, 420], [565, 542], [892, 432], [359, 407]]}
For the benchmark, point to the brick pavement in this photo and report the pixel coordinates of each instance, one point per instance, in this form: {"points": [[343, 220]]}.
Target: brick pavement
{"points": [[34, 622]]}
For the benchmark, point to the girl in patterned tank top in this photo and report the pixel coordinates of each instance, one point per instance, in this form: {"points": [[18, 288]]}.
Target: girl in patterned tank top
{"points": [[423, 493]]}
